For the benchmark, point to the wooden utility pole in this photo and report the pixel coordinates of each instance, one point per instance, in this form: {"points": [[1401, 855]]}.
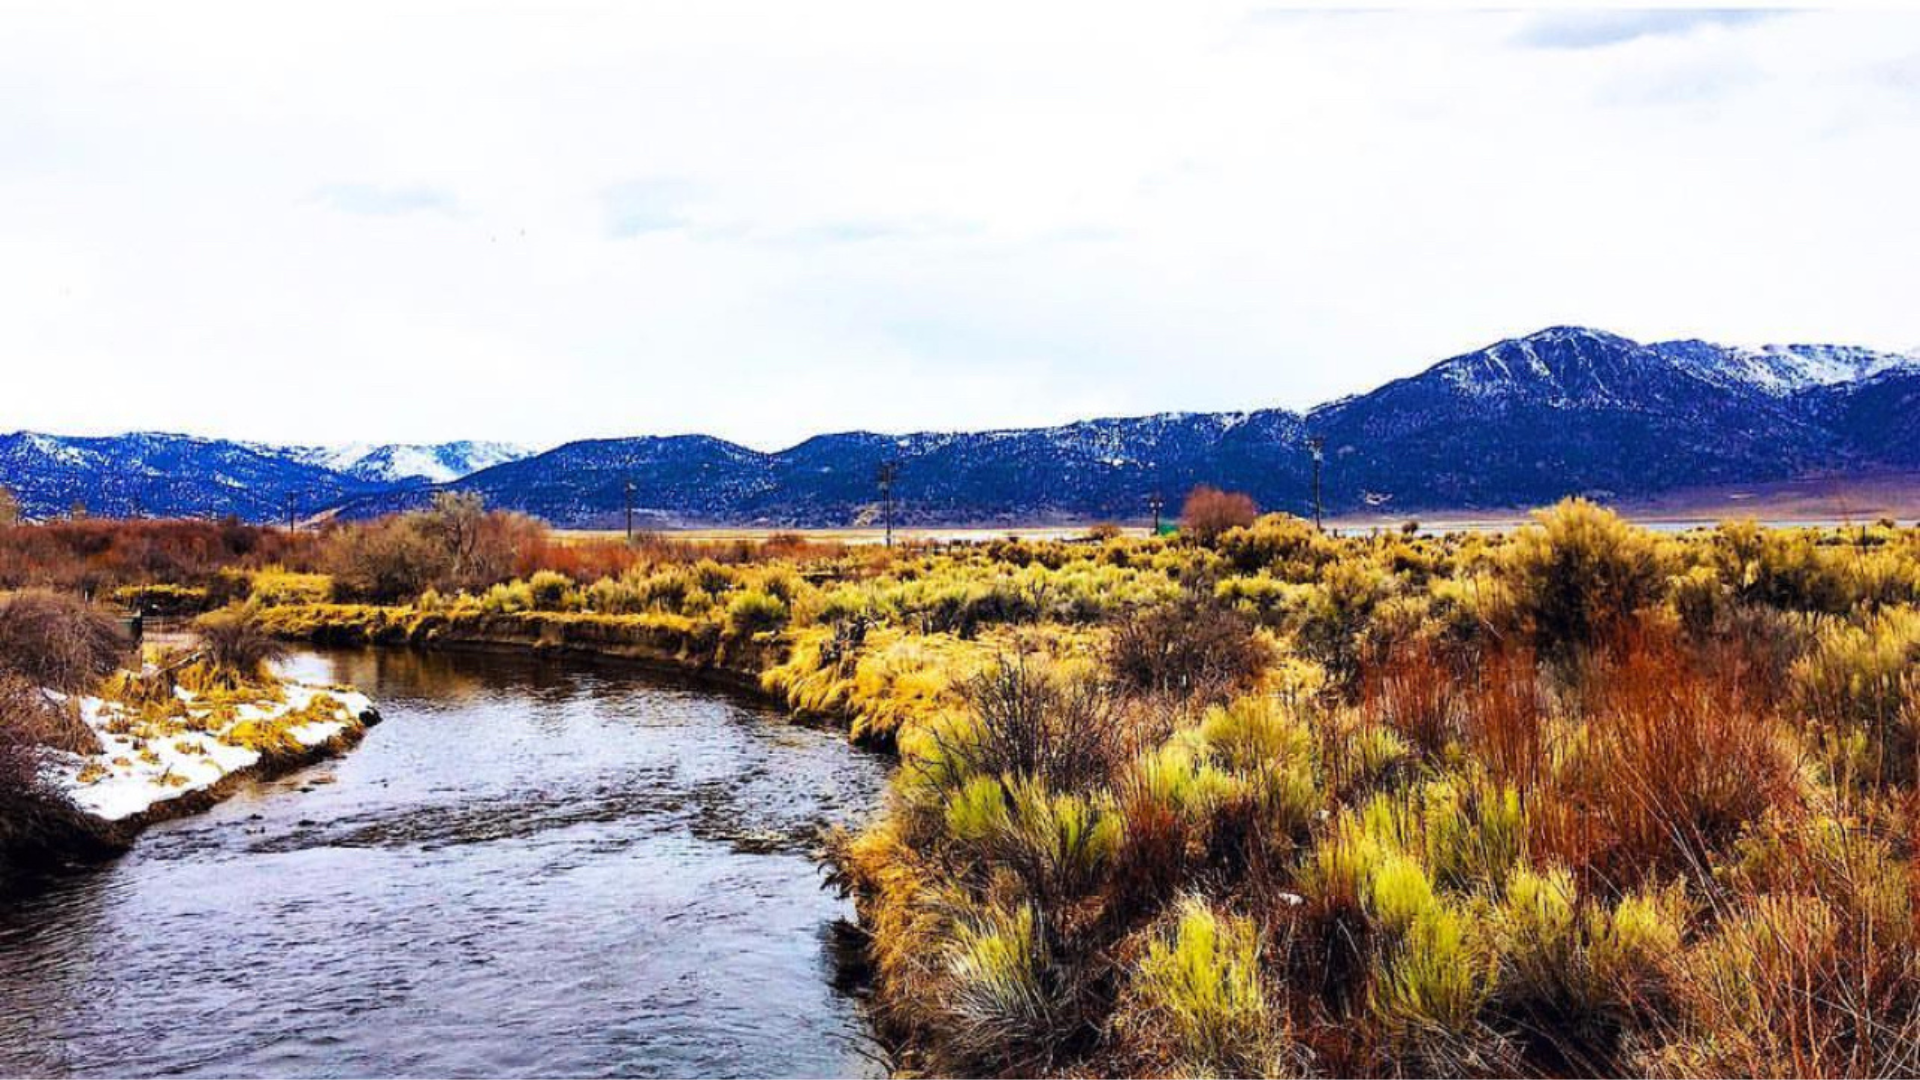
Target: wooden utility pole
{"points": [[290, 511], [889, 471], [1319, 447], [1155, 502], [630, 511]]}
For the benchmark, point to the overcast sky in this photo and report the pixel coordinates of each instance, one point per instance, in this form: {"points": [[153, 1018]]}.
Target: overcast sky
{"points": [[764, 221]]}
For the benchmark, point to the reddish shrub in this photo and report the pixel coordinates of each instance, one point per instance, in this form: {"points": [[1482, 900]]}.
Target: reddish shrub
{"points": [[1680, 757], [1209, 512], [799, 548], [584, 561], [1503, 713], [96, 554], [1413, 691]]}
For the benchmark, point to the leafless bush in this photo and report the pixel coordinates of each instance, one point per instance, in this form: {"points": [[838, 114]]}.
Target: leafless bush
{"points": [[38, 825], [385, 561], [1190, 648], [1032, 722], [58, 641]]}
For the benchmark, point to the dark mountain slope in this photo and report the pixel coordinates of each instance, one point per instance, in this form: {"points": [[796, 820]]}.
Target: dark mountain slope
{"points": [[1878, 417], [1563, 411]]}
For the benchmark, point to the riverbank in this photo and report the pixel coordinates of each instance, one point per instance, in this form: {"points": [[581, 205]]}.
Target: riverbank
{"points": [[875, 682], [160, 759], [164, 750]]}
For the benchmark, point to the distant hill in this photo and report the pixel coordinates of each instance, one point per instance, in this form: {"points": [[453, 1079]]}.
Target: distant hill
{"points": [[1567, 410], [1092, 469]]}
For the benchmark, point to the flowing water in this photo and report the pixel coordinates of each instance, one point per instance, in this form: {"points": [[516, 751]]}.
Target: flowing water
{"points": [[532, 867]]}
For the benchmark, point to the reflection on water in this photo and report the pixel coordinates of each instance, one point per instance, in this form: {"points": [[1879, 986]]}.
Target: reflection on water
{"points": [[532, 867]]}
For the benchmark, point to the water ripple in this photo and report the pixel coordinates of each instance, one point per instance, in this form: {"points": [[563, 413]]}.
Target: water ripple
{"points": [[529, 869]]}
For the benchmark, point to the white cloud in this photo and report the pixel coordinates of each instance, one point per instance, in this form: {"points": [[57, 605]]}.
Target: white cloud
{"points": [[765, 221], [1594, 29], [384, 201]]}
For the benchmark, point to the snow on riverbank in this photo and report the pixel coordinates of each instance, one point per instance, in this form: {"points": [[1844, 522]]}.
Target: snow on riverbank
{"points": [[156, 753]]}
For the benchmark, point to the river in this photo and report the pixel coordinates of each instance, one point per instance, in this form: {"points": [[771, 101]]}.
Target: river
{"points": [[532, 867]]}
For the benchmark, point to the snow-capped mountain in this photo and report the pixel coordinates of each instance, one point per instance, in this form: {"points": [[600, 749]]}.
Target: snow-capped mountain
{"points": [[1567, 410], [1880, 414], [153, 474], [1562, 365], [1089, 469], [435, 463]]}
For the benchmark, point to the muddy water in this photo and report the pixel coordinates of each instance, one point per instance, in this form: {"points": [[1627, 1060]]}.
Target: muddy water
{"points": [[531, 868]]}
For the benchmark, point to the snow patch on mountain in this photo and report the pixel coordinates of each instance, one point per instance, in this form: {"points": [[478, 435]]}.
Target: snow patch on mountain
{"points": [[1781, 370], [1560, 364], [389, 463], [54, 449]]}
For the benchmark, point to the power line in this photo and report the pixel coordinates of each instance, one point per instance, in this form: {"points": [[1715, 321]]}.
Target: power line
{"points": [[1319, 447], [888, 472]]}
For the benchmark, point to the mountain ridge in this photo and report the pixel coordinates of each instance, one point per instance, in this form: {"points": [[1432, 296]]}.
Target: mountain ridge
{"points": [[396, 462], [1564, 410]]}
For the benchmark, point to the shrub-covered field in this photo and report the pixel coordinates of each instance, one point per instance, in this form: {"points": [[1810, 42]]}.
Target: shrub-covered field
{"points": [[1576, 799]]}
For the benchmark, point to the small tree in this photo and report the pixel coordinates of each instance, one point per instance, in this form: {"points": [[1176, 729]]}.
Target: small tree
{"points": [[454, 521], [9, 507], [1208, 512]]}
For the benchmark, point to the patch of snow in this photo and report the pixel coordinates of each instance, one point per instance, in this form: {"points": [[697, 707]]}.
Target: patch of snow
{"points": [[1781, 370], [342, 458], [437, 463], [136, 772], [56, 449]]}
